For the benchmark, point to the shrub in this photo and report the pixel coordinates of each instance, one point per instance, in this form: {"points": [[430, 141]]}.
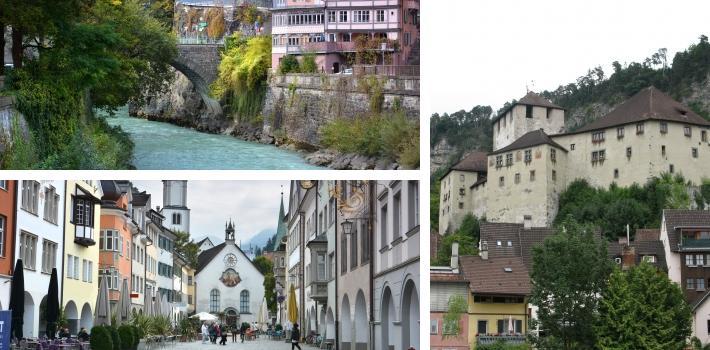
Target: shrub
{"points": [[308, 63], [100, 338], [137, 335], [278, 327], [502, 345], [289, 64], [115, 338], [125, 333]]}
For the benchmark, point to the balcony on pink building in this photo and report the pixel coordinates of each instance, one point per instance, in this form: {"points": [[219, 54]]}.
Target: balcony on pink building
{"points": [[322, 47], [286, 4]]}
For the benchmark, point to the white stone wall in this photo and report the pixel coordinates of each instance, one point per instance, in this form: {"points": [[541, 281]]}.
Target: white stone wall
{"points": [[452, 185], [514, 125]]}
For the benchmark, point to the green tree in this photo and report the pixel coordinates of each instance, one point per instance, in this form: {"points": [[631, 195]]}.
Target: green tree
{"points": [[187, 248], [269, 293], [263, 264], [308, 63], [289, 64], [457, 307], [642, 309], [569, 272], [466, 236]]}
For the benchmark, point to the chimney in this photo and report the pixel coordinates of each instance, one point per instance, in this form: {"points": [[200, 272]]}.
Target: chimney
{"points": [[484, 250], [628, 257], [454, 256], [527, 222]]}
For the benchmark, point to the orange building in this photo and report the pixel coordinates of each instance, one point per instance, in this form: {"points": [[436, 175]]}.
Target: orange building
{"points": [[7, 242], [117, 229]]}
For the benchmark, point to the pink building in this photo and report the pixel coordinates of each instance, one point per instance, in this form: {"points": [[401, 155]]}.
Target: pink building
{"points": [[445, 282], [329, 28]]}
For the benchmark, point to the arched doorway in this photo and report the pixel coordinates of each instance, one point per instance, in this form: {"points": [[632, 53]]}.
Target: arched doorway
{"points": [[42, 330], [387, 318], [346, 325], [410, 316], [72, 316], [29, 317], [231, 316], [87, 318], [329, 325], [362, 330]]}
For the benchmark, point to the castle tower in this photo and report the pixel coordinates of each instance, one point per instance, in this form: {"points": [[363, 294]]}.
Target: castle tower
{"points": [[175, 210], [532, 112]]}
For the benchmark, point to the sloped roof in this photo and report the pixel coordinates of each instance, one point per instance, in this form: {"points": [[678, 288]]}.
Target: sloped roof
{"points": [[490, 276], [532, 138], [475, 161], [140, 198], [208, 255], [522, 240], [530, 99], [649, 103], [678, 218], [644, 247], [647, 234], [530, 238]]}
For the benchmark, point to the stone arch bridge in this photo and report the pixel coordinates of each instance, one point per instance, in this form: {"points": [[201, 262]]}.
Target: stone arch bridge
{"points": [[199, 64]]}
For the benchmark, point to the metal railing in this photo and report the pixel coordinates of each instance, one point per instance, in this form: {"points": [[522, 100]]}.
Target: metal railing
{"points": [[200, 41], [508, 338], [387, 70]]}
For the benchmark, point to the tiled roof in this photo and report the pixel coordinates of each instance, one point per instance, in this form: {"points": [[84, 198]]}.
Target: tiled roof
{"points": [[474, 161], [683, 218], [532, 138], [140, 198], [494, 232], [649, 103], [507, 276], [530, 99], [647, 234], [530, 238], [648, 247], [446, 276]]}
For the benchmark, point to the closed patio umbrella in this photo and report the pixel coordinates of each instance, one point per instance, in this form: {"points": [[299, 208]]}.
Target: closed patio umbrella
{"points": [[292, 305], [262, 317], [164, 306], [124, 304], [103, 306], [157, 310], [52, 310], [147, 304], [17, 299]]}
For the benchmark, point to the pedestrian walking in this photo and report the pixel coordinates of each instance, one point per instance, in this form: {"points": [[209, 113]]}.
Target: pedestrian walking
{"points": [[223, 335], [295, 337], [213, 334], [205, 333], [243, 330], [234, 333]]}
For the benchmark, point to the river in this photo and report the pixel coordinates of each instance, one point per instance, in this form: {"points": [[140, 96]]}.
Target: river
{"points": [[163, 146]]}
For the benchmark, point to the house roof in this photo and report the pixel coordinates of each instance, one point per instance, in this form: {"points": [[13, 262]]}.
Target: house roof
{"points": [[648, 104], [446, 276], [530, 99], [208, 255], [475, 161], [643, 247], [507, 276], [530, 238], [683, 218], [522, 240], [647, 234], [140, 198], [532, 138], [203, 240]]}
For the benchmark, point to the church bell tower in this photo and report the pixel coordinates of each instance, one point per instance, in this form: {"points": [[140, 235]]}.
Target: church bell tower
{"points": [[229, 231], [175, 210]]}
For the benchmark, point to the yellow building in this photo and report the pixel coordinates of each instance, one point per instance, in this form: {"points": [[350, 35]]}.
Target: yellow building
{"points": [[498, 298], [81, 252]]}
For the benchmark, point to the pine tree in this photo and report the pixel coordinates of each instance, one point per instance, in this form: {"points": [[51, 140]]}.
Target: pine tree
{"points": [[642, 309]]}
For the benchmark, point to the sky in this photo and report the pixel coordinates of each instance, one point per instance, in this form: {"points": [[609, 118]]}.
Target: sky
{"points": [[252, 205], [487, 51]]}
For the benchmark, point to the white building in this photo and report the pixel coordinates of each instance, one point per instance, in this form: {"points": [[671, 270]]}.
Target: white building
{"points": [[39, 243], [226, 281], [140, 204], [396, 270], [175, 210]]}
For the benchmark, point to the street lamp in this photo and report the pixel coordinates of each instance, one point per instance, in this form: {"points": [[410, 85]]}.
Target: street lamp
{"points": [[347, 226]]}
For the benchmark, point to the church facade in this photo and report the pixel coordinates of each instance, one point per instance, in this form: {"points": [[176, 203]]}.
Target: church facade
{"points": [[534, 161], [226, 281]]}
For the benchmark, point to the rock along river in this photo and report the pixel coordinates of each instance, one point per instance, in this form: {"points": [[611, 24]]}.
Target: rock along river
{"points": [[163, 146]]}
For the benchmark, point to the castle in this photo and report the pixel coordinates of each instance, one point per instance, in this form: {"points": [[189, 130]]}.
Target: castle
{"points": [[534, 159]]}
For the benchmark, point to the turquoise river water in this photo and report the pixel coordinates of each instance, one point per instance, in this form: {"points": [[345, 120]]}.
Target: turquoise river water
{"points": [[165, 146]]}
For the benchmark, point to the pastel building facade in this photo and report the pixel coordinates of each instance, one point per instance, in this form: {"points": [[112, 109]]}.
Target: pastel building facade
{"points": [[8, 207]]}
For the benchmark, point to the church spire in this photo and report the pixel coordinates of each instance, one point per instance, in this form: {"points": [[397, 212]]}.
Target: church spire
{"points": [[281, 227], [229, 231]]}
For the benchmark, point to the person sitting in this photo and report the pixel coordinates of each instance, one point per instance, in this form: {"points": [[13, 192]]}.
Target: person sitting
{"points": [[83, 335], [64, 333]]}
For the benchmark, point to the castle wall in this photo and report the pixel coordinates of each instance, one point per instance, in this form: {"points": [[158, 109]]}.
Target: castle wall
{"points": [[456, 199], [514, 125], [646, 160]]}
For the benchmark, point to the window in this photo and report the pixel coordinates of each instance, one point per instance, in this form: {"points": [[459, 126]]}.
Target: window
{"points": [[51, 204], [509, 159], [517, 178], [553, 155], [628, 152], [177, 219], [3, 184], [321, 266], [689, 260], [501, 181], [687, 131], [699, 259], [620, 133], [571, 147], [214, 301], [3, 229], [649, 258], [528, 156], [49, 256], [528, 111], [383, 226], [663, 150], [554, 175], [331, 16], [704, 136], [380, 16], [30, 196], [342, 16], [244, 302], [344, 253], [110, 240], [616, 173], [482, 327], [365, 239], [639, 128], [598, 136], [28, 249], [700, 284], [413, 204], [598, 156], [532, 175], [499, 161], [671, 169], [361, 16], [664, 128], [397, 215], [694, 152], [548, 112], [434, 326]]}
